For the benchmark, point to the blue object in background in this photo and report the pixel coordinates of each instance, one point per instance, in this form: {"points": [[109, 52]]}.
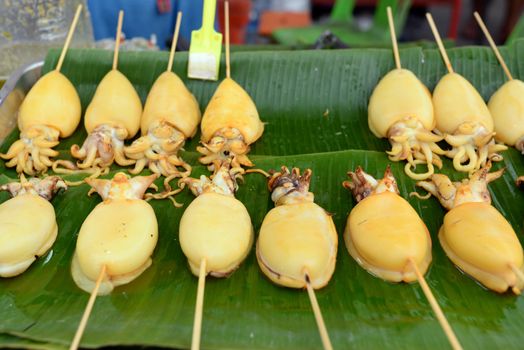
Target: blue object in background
{"points": [[142, 18]]}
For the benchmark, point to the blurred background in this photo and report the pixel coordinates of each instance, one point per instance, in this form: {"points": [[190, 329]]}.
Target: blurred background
{"points": [[28, 28]]}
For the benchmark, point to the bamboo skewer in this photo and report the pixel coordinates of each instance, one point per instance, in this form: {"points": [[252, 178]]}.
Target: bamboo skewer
{"points": [[326, 342], [68, 38], [436, 308], [174, 42], [117, 40], [87, 311], [197, 324], [492, 44], [228, 65], [439, 42], [393, 38]]}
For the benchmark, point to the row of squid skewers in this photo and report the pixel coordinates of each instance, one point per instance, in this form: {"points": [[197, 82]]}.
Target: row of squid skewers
{"points": [[297, 243], [402, 109]]}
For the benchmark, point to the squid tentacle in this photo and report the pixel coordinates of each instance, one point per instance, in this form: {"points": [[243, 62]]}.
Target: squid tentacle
{"points": [[158, 150], [102, 146], [410, 141], [30, 154]]}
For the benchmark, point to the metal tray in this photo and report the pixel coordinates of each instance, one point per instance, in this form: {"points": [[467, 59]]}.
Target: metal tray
{"points": [[13, 93]]}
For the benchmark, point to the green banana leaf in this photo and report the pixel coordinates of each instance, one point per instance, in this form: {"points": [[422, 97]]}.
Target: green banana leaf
{"points": [[314, 105]]}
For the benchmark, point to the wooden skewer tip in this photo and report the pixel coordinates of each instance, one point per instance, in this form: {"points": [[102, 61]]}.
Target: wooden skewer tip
{"points": [[436, 307], [197, 323], [228, 63], [491, 42], [174, 41], [87, 312], [440, 45], [68, 38], [117, 39], [393, 38], [324, 336]]}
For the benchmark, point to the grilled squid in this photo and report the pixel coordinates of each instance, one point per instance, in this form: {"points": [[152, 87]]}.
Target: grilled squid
{"points": [[28, 225], [507, 109], [474, 235], [466, 120], [383, 232], [400, 108], [215, 226], [171, 115], [112, 117], [120, 234], [229, 125], [298, 240], [50, 110]]}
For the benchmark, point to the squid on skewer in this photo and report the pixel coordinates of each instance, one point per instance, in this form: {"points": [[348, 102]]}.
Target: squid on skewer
{"points": [[297, 237], [229, 125], [297, 245], [506, 105], [383, 231], [112, 117], [400, 108], [215, 226], [118, 236], [385, 235], [171, 114], [464, 118], [215, 232], [230, 122], [28, 225], [50, 110], [474, 235]]}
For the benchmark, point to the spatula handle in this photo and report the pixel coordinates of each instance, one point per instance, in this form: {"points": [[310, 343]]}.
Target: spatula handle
{"points": [[208, 16]]}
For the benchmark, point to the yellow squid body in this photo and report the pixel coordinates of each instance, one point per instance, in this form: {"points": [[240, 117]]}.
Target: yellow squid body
{"points": [[120, 234], [231, 107], [217, 228], [296, 239], [27, 230], [383, 232], [53, 101], [456, 101], [507, 109], [479, 240], [170, 100], [115, 103], [399, 94]]}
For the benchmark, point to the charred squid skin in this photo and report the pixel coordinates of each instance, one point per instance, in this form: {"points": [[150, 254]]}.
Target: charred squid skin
{"points": [[383, 232], [298, 238], [28, 222], [474, 235]]}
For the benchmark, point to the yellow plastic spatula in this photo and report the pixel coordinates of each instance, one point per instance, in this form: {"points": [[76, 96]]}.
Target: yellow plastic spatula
{"points": [[206, 46]]}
